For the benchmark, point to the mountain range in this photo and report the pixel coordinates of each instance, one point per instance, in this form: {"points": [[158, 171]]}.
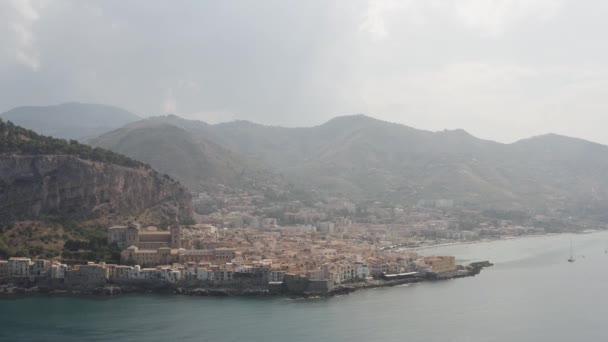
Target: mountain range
{"points": [[188, 155], [355, 157], [71, 120], [364, 159]]}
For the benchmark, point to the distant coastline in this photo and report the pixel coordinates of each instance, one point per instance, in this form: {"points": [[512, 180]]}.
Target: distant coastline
{"points": [[504, 238]]}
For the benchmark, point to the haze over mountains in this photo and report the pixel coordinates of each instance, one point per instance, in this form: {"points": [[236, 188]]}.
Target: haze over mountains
{"points": [[362, 158], [71, 120], [198, 162], [355, 157]]}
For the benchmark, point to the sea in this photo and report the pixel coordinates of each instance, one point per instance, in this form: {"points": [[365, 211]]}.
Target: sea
{"points": [[531, 294]]}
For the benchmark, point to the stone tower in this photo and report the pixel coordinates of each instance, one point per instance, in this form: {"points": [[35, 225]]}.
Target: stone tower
{"points": [[176, 236], [132, 236]]}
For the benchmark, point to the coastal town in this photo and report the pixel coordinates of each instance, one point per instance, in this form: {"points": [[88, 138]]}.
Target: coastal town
{"points": [[240, 243], [415, 224], [292, 260]]}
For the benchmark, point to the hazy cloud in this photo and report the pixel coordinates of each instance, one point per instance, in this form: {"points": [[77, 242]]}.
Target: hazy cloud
{"points": [[493, 17], [170, 103], [502, 69], [23, 15]]}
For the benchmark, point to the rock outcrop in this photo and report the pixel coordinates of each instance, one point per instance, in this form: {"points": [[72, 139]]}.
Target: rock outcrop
{"points": [[66, 186]]}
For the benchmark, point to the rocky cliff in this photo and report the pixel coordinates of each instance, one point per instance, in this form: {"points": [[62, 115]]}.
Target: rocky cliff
{"points": [[66, 186]]}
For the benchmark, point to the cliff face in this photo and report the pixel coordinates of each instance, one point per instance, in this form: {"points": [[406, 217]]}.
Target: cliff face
{"points": [[39, 186]]}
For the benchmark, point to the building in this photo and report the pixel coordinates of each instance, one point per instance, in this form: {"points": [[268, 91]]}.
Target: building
{"points": [[197, 256], [124, 236], [58, 271], [40, 267], [119, 273], [132, 235], [223, 255], [440, 264], [276, 276], [19, 267], [4, 268], [149, 257], [89, 275], [361, 270]]}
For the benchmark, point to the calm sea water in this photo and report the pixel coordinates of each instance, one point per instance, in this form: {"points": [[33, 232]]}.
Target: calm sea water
{"points": [[532, 294]]}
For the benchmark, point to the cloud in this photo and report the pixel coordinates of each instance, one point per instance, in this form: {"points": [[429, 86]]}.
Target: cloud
{"points": [[488, 17], [497, 101], [25, 14], [502, 69], [169, 102], [374, 18], [189, 85], [212, 117], [494, 17], [379, 13]]}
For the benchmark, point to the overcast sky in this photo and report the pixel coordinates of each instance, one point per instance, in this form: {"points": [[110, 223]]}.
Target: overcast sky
{"points": [[501, 69]]}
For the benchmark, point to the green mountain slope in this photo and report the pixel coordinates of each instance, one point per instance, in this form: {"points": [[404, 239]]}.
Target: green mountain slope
{"points": [[195, 161], [367, 159]]}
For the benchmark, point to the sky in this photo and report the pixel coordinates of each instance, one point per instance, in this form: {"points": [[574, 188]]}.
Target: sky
{"points": [[500, 69]]}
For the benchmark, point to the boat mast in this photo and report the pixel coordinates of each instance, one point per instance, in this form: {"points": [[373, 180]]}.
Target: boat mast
{"points": [[571, 253]]}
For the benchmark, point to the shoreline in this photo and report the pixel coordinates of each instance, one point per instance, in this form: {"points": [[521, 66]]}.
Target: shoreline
{"points": [[506, 238], [16, 288], [10, 291]]}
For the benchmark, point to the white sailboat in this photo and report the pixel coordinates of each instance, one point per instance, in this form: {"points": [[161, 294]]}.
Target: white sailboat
{"points": [[571, 254]]}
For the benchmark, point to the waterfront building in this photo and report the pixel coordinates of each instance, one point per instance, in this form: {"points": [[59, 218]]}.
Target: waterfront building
{"points": [[377, 266], [276, 276], [148, 274], [119, 272], [205, 274], [40, 267], [440, 264], [58, 271], [168, 274], [225, 275], [361, 270], [4, 272], [19, 267], [89, 275]]}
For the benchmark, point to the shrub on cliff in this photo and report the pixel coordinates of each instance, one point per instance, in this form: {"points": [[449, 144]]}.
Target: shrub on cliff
{"points": [[15, 139]]}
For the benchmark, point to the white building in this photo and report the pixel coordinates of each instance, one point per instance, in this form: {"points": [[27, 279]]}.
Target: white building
{"points": [[204, 274], [19, 267], [361, 270], [169, 275], [40, 267], [58, 271], [276, 276]]}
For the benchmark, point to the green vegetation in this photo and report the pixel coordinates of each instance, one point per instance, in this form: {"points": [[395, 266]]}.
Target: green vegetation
{"points": [[94, 249], [7, 251], [17, 139], [71, 241], [188, 156]]}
